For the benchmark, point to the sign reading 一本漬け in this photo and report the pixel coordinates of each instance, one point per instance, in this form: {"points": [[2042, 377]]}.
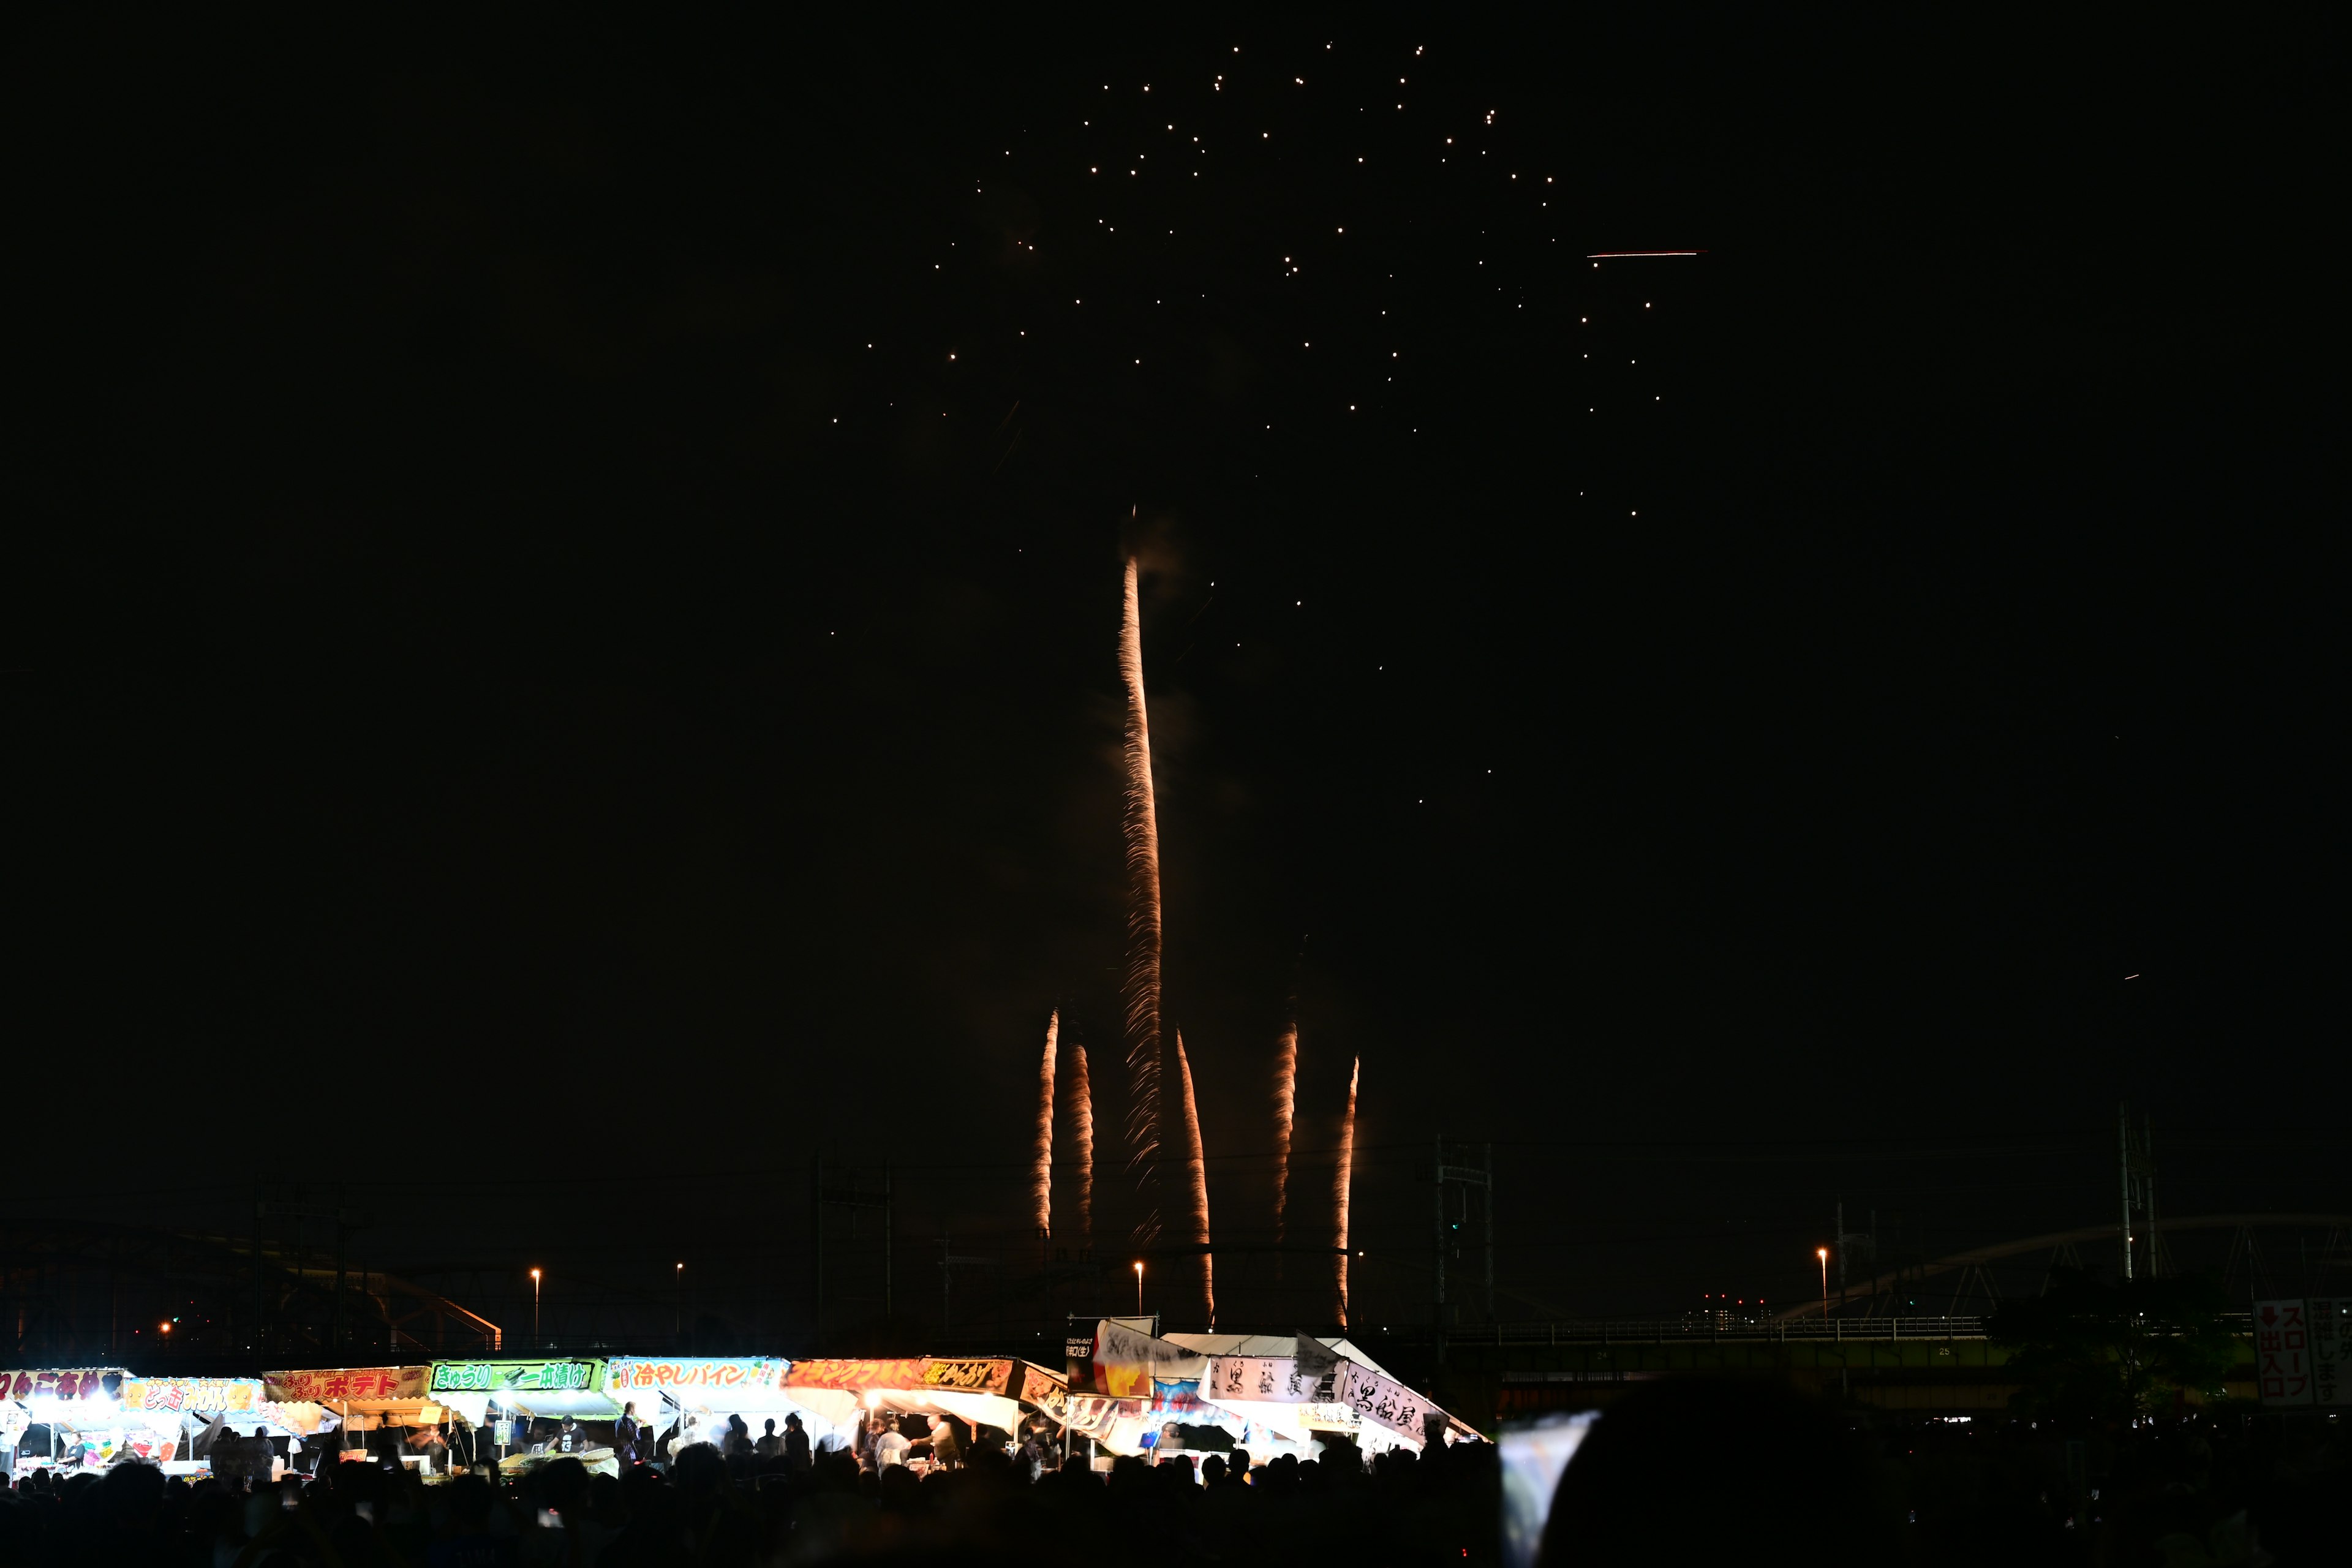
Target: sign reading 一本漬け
{"points": [[970, 1375], [513, 1376], [337, 1384], [196, 1395], [719, 1373]]}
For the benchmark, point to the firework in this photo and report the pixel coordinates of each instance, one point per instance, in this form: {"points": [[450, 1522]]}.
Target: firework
{"points": [[1143, 1029], [1339, 1187], [1082, 1140], [1041, 1184], [1197, 1162], [1285, 1102]]}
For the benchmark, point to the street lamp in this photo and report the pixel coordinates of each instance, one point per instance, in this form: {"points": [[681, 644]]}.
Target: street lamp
{"points": [[534, 1307], [1139, 1289], [1823, 1254], [678, 1324]]}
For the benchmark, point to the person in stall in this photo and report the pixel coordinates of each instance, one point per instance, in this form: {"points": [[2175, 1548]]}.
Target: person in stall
{"points": [[569, 1438], [946, 1452], [625, 1432], [889, 1444]]}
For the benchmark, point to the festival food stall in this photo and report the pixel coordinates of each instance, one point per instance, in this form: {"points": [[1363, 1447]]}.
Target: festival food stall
{"points": [[980, 1390], [534, 1391], [89, 1417], [1285, 1388], [195, 1409], [697, 1393], [365, 1399], [50, 1410]]}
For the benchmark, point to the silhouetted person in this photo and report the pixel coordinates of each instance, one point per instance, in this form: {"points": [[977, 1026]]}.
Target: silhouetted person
{"points": [[796, 1445], [1706, 1470], [769, 1446]]}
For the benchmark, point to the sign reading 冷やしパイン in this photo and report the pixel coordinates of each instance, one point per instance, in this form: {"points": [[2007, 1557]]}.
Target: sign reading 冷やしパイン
{"points": [[718, 1372]]}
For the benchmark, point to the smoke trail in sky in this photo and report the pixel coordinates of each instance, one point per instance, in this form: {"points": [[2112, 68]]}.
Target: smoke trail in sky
{"points": [[1285, 1102], [1143, 1029], [1197, 1162], [1339, 1188], [1082, 1135], [1041, 1184]]}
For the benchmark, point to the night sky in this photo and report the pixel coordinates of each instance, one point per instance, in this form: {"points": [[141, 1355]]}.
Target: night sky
{"points": [[576, 662]]}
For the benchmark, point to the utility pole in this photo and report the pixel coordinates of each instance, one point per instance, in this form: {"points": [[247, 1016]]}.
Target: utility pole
{"points": [[2137, 1161], [1448, 1233]]}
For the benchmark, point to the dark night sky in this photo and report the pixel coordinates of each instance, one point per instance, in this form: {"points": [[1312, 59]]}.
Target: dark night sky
{"points": [[503, 744]]}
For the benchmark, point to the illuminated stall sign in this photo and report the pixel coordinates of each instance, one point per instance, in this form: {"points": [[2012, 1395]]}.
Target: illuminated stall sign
{"points": [[710, 1375], [1271, 1379], [514, 1376], [969, 1375], [1082, 1413], [1385, 1401], [398, 1383], [66, 1382], [904, 1373], [200, 1395], [1124, 1363]]}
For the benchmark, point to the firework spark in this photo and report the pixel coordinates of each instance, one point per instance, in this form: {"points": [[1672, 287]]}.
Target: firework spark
{"points": [[1143, 1029], [1197, 1162], [1339, 1187], [1082, 1138], [1041, 1184], [1286, 1103]]}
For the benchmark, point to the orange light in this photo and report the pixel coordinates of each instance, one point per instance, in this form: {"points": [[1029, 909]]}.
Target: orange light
{"points": [[166, 1327], [1820, 1252]]}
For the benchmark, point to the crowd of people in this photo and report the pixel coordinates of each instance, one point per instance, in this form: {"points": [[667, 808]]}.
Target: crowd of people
{"points": [[746, 1501]]}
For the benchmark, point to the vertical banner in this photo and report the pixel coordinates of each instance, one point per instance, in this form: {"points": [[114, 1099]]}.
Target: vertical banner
{"points": [[2283, 1352], [2331, 1326]]}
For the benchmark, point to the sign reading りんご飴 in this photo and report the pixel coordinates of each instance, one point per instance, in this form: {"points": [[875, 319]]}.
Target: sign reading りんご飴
{"points": [[66, 1382]]}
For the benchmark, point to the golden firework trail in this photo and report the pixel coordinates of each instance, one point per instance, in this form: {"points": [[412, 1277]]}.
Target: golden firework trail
{"points": [[1286, 1104], [1197, 1162], [1081, 1137], [1339, 1187], [1041, 1184], [1142, 826]]}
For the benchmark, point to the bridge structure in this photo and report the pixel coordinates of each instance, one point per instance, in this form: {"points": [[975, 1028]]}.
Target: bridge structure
{"points": [[83, 1293], [1876, 1346]]}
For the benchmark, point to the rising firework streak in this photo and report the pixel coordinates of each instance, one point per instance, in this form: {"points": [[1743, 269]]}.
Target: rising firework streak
{"points": [[1339, 1189], [1286, 1103], [1082, 1141], [1197, 1162], [1142, 828], [1042, 1183]]}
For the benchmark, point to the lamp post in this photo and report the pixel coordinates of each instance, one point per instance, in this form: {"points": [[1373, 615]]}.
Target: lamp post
{"points": [[678, 1323], [1139, 1289], [534, 1307], [1823, 1254]]}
